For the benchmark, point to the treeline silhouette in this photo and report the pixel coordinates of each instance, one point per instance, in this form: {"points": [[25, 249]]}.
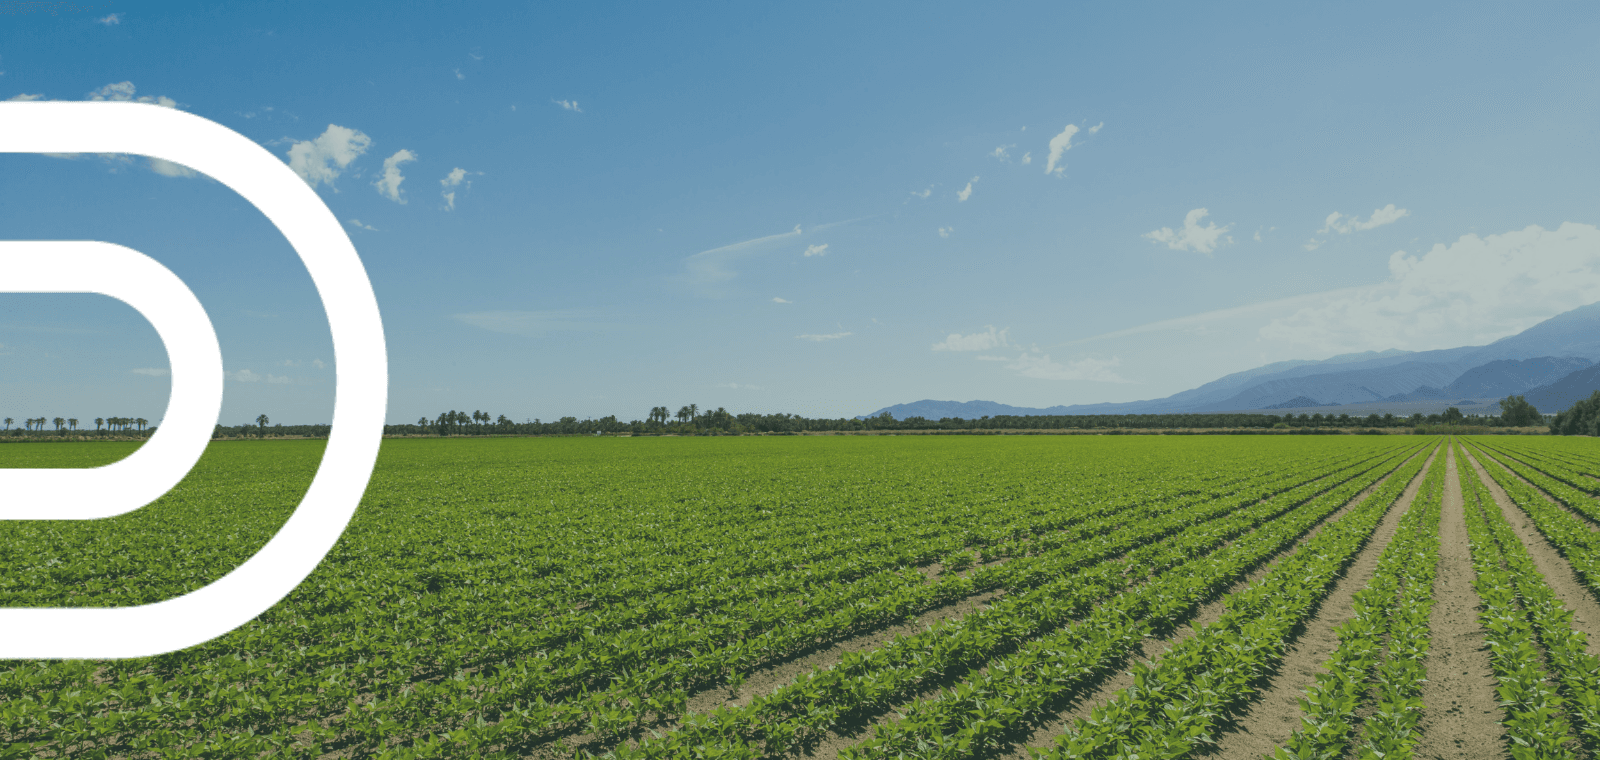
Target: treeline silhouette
{"points": [[1582, 419]]}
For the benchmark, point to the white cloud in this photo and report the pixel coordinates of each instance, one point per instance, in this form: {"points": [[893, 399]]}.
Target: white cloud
{"points": [[170, 169], [111, 20], [982, 341], [570, 105], [781, 300], [248, 376], [962, 196], [816, 250], [1345, 225], [358, 225], [24, 98], [1096, 128], [944, 232], [1040, 366], [1027, 158], [318, 363], [152, 371], [456, 178], [460, 75], [323, 159], [1003, 153], [710, 266], [530, 323], [919, 194], [1470, 292], [1313, 244], [1192, 237], [389, 184], [124, 92], [983, 358], [739, 386], [821, 338], [1058, 145]]}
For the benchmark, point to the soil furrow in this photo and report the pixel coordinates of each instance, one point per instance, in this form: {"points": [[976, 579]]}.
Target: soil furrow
{"points": [[1153, 649], [1275, 713], [1462, 714], [1557, 572]]}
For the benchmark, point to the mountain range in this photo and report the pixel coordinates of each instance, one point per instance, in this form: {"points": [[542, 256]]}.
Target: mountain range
{"points": [[1553, 361]]}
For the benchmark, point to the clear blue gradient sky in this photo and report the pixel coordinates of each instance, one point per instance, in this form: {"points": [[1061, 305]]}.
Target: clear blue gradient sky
{"points": [[820, 209]]}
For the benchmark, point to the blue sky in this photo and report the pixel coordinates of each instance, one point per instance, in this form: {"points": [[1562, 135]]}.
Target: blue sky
{"points": [[819, 209]]}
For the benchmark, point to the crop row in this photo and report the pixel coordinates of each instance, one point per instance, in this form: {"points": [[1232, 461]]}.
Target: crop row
{"points": [[1381, 648], [460, 615], [1565, 647], [1173, 707]]}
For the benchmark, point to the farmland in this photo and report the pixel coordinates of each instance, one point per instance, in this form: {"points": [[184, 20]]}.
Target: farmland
{"points": [[860, 598]]}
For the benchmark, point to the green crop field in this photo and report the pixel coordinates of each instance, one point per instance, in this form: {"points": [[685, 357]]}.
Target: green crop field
{"points": [[855, 597]]}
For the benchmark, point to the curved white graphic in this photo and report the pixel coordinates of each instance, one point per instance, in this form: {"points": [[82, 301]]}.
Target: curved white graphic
{"points": [[361, 382], [61, 266]]}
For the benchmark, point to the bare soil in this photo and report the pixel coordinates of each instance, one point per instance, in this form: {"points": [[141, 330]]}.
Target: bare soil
{"points": [[1557, 571], [1462, 716], [1275, 713], [1151, 651]]}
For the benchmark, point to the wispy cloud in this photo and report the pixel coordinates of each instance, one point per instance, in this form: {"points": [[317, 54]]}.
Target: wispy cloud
{"points": [[152, 371], [250, 376], [919, 193], [456, 179], [711, 266], [985, 358], [124, 92], [111, 20], [532, 323], [169, 169], [781, 300], [569, 105], [1003, 153], [821, 338], [1040, 366], [1344, 225], [1059, 145], [1192, 237], [26, 98], [964, 194], [1027, 158], [459, 75], [322, 160], [739, 386], [816, 250], [944, 232], [982, 341], [389, 184], [358, 225]]}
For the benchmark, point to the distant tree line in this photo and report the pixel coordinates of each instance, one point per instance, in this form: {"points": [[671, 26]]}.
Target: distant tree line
{"points": [[1582, 419], [35, 427], [1515, 412]]}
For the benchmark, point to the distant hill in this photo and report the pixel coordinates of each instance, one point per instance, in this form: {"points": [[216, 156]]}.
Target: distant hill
{"points": [[1562, 394], [1506, 377], [1299, 402], [1540, 355]]}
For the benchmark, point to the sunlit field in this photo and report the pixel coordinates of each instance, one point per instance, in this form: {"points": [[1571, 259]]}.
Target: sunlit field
{"points": [[863, 597]]}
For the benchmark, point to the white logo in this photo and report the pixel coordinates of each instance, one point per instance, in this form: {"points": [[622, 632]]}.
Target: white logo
{"points": [[361, 381]]}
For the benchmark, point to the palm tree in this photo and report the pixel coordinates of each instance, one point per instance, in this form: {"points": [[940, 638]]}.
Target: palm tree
{"points": [[10, 422], [683, 414], [693, 410], [98, 421], [73, 423], [141, 422], [261, 422], [60, 422]]}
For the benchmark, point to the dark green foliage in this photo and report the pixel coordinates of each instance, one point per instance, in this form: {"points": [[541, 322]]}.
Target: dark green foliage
{"points": [[1516, 411], [1582, 419]]}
